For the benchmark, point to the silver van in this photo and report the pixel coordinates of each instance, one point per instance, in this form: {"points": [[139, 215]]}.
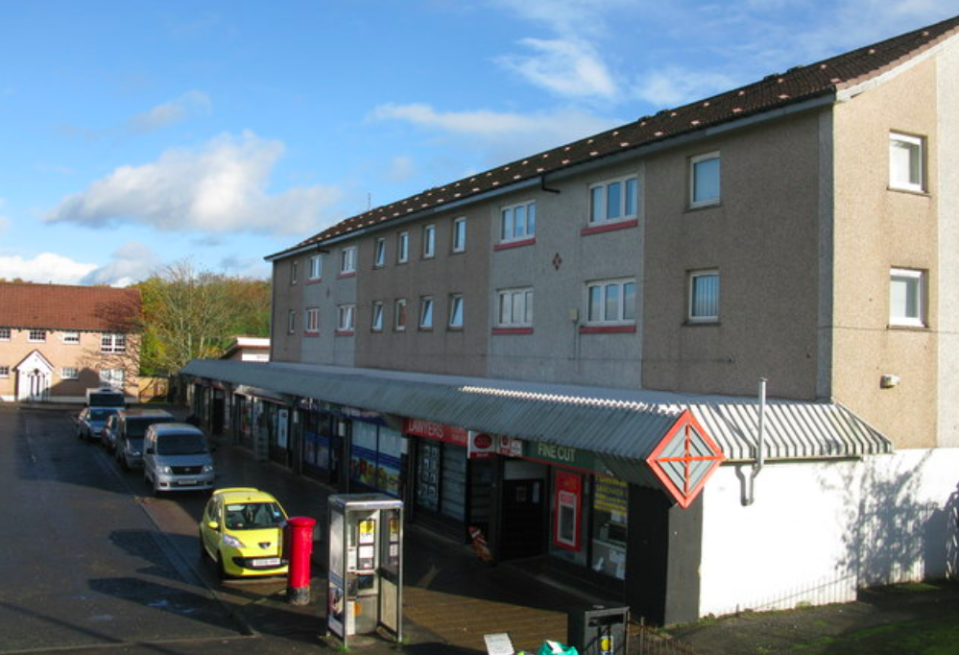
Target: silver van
{"points": [[176, 457], [124, 433]]}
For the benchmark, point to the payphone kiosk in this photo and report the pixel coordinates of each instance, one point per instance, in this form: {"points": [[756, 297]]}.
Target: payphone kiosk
{"points": [[366, 566]]}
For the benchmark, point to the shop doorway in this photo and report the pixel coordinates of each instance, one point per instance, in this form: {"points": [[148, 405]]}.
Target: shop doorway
{"points": [[523, 525]]}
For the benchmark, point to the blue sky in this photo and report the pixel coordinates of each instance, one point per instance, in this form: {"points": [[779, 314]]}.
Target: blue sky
{"points": [[138, 134]]}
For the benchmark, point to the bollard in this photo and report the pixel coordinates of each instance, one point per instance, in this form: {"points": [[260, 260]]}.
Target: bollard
{"points": [[297, 548]]}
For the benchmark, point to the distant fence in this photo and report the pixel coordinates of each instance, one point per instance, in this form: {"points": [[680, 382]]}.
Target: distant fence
{"points": [[646, 640], [151, 389]]}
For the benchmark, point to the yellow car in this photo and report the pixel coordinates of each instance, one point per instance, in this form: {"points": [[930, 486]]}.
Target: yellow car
{"points": [[242, 531]]}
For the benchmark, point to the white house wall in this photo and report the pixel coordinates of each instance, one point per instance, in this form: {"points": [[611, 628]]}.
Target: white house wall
{"points": [[816, 532]]}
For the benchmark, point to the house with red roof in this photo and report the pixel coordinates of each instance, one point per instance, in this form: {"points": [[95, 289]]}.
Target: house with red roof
{"points": [[57, 341], [703, 362]]}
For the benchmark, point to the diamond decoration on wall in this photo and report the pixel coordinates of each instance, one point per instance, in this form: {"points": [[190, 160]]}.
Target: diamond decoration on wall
{"points": [[685, 459]]}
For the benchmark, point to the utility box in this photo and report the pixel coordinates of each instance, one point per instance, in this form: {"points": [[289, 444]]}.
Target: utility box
{"points": [[366, 566], [599, 629]]}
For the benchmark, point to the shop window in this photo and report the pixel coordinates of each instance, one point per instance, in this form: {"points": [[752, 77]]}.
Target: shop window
{"points": [[610, 500], [375, 457]]}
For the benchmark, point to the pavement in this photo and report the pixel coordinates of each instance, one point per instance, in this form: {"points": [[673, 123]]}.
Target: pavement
{"points": [[451, 598]]}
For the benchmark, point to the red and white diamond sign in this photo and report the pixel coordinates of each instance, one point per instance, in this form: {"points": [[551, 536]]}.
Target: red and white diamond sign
{"points": [[685, 459]]}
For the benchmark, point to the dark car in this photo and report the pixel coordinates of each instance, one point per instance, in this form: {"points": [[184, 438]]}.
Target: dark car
{"points": [[92, 420], [124, 433]]}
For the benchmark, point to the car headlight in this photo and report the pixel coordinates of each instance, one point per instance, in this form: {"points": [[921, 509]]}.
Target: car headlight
{"points": [[208, 468], [232, 541], [166, 469]]}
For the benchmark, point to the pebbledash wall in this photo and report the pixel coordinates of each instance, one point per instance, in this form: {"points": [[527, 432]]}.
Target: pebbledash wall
{"points": [[817, 532]]}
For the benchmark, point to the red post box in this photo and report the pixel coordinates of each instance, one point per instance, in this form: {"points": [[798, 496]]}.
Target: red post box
{"points": [[297, 549]]}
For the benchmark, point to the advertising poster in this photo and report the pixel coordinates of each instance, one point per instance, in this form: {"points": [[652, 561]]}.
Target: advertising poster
{"points": [[569, 510]]}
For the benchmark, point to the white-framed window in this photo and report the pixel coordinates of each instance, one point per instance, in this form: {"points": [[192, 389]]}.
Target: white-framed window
{"points": [[518, 222], [348, 260], [344, 317], [399, 315], [316, 267], [312, 323], [37, 336], [459, 234], [429, 242], [614, 200], [4, 371], [403, 247], [611, 302], [113, 343], [4, 334], [377, 322], [906, 162], [703, 296], [515, 308], [112, 377], [291, 322], [907, 297], [456, 310], [426, 313], [72, 338], [379, 253], [704, 188], [294, 270], [69, 373]]}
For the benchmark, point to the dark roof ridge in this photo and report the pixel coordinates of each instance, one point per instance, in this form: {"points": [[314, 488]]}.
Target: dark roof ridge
{"points": [[797, 84]]}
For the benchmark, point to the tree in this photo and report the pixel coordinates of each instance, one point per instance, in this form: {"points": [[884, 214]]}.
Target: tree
{"points": [[191, 314]]}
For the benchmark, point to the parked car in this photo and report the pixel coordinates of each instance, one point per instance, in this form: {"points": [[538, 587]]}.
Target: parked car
{"points": [[176, 457], [242, 531], [92, 420], [124, 433], [106, 397]]}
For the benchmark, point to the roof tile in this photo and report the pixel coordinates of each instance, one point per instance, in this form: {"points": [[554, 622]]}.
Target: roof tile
{"points": [[62, 307]]}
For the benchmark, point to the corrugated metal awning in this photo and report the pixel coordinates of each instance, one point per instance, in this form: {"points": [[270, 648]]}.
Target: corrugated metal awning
{"points": [[617, 424]]}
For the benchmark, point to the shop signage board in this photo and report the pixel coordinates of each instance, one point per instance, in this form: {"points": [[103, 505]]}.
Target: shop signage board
{"points": [[440, 432]]}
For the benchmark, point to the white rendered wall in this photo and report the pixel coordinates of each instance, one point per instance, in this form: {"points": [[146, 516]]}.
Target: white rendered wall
{"points": [[816, 532]]}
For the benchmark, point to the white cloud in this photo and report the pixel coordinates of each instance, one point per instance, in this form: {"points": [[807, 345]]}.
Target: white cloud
{"points": [[503, 136], [174, 111], [221, 187], [674, 86], [569, 63], [567, 67], [129, 264], [46, 267]]}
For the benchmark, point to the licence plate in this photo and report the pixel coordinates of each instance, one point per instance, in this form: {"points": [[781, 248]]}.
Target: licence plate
{"points": [[186, 483], [266, 561]]}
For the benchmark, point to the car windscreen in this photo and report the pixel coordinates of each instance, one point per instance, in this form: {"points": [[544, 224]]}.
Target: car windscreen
{"points": [[137, 427], [253, 516], [181, 443], [106, 400], [100, 415]]}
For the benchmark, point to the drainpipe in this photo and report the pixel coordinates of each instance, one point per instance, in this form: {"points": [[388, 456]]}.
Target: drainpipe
{"points": [[760, 446]]}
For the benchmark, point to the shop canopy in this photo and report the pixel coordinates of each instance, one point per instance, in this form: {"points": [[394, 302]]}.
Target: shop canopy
{"points": [[652, 438]]}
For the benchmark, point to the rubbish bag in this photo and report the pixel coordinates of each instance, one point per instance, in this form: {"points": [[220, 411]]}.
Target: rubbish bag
{"points": [[555, 648]]}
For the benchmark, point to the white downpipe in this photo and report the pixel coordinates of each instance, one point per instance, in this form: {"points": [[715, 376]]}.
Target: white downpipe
{"points": [[760, 446]]}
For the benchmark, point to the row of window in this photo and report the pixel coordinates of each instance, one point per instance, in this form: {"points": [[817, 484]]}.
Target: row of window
{"points": [[609, 303], [66, 373], [615, 200], [109, 343]]}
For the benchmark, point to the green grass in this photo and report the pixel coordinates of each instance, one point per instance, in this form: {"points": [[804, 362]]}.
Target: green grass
{"points": [[934, 636]]}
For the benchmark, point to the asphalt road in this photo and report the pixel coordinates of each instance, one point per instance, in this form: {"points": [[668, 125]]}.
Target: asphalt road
{"points": [[91, 563]]}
